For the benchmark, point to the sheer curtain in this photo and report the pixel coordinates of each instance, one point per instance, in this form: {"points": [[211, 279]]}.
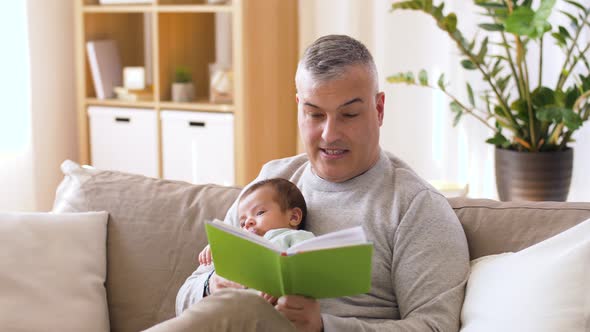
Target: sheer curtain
{"points": [[16, 158], [418, 124], [37, 112]]}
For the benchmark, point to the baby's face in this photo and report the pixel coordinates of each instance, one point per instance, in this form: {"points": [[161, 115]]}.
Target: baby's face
{"points": [[259, 212]]}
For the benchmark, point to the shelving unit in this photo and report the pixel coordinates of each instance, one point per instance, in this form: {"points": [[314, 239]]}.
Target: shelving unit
{"points": [[169, 33]]}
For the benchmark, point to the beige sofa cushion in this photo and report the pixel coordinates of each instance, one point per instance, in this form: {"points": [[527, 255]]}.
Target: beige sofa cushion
{"points": [[541, 288], [155, 232], [52, 272], [494, 227]]}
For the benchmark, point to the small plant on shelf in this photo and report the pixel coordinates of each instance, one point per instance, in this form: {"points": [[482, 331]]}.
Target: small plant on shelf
{"points": [[182, 74], [183, 89]]}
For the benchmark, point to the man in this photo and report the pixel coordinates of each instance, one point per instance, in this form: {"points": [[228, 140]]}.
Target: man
{"points": [[420, 258]]}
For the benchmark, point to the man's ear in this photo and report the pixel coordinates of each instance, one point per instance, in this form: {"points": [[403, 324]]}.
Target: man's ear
{"points": [[295, 217], [380, 104]]}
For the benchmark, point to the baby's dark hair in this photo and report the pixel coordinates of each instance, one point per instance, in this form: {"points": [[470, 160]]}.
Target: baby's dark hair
{"points": [[287, 195]]}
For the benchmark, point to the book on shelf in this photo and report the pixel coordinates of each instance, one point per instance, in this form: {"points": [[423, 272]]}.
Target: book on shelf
{"points": [[331, 265], [105, 67]]}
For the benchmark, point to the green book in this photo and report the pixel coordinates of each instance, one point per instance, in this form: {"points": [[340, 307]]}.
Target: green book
{"points": [[332, 265]]}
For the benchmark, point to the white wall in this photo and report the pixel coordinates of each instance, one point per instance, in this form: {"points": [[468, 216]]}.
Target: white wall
{"points": [[44, 104], [417, 124]]}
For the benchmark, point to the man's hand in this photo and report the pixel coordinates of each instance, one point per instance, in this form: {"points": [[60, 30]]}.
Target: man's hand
{"points": [[205, 256], [217, 283], [303, 312]]}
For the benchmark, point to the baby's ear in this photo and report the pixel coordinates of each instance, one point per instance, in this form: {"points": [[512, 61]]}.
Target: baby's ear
{"points": [[295, 217]]}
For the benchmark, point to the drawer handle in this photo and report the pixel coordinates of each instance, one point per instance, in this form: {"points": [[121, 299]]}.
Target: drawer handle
{"points": [[123, 119], [196, 124]]}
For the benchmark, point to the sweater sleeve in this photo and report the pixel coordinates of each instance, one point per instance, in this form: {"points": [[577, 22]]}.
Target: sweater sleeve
{"points": [[430, 269]]}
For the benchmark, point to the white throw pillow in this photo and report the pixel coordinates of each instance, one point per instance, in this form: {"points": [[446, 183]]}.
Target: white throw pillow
{"points": [[545, 287], [52, 272]]}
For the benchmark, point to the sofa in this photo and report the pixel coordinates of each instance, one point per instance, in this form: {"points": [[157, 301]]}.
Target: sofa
{"points": [[155, 231]]}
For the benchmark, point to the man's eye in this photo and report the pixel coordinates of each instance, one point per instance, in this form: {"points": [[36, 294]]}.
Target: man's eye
{"points": [[350, 115], [316, 115]]}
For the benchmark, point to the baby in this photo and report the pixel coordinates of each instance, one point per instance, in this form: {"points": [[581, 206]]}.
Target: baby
{"points": [[274, 209]]}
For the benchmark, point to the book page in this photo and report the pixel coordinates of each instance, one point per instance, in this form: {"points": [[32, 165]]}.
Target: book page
{"points": [[244, 234], [343, 238]]}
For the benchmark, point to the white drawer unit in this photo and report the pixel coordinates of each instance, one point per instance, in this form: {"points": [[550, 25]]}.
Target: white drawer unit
{"points": [[198, 147], [124, 139]]}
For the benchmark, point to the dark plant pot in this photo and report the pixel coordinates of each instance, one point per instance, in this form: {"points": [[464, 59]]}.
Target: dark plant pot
{"points": [[533, 176]]}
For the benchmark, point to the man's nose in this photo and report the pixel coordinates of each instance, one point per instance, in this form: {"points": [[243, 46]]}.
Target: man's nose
{"points": [[330, 131]]}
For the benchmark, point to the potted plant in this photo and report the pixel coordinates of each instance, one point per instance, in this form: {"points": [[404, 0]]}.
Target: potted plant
{"points": [[531, 124], [183, 89]]}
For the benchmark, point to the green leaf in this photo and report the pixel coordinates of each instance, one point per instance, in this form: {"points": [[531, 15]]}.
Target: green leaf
{"points": [[498, 110], [468, 64], [499, 140], [563, 32], [491, 26], [560, 39], [503, 82], [407, 78], [450, 23], [483, 50], [411, 4], [572, 119], [585, 82], [571, 95], [525, 22], [470, 94], [497, 69], [456, 108], [520, 21], [542, 97], [472, 44], [423, 77], [519, 106], [551, 114], [441, 82]]}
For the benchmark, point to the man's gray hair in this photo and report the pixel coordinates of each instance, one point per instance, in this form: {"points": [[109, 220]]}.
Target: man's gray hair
{"points": [[328, 57]]}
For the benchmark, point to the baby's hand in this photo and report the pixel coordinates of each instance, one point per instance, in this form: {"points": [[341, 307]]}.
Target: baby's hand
{"points": [[269, 298], [205, 256]]}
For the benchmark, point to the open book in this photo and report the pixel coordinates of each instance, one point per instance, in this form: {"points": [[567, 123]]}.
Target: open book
{"points": [[332, 265]]}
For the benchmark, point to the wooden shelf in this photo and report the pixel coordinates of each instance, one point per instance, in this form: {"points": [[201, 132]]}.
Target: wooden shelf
{"points": [[257, 38], [158, 8], [194, 9], [120, 103], [197, 106], [118, 9]]}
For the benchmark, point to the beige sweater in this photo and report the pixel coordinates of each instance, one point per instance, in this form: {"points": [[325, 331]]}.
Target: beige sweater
{"points": [[420, 256]]}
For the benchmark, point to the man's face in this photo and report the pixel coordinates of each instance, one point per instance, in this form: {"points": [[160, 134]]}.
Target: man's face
{"points": [[339, 123]]}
